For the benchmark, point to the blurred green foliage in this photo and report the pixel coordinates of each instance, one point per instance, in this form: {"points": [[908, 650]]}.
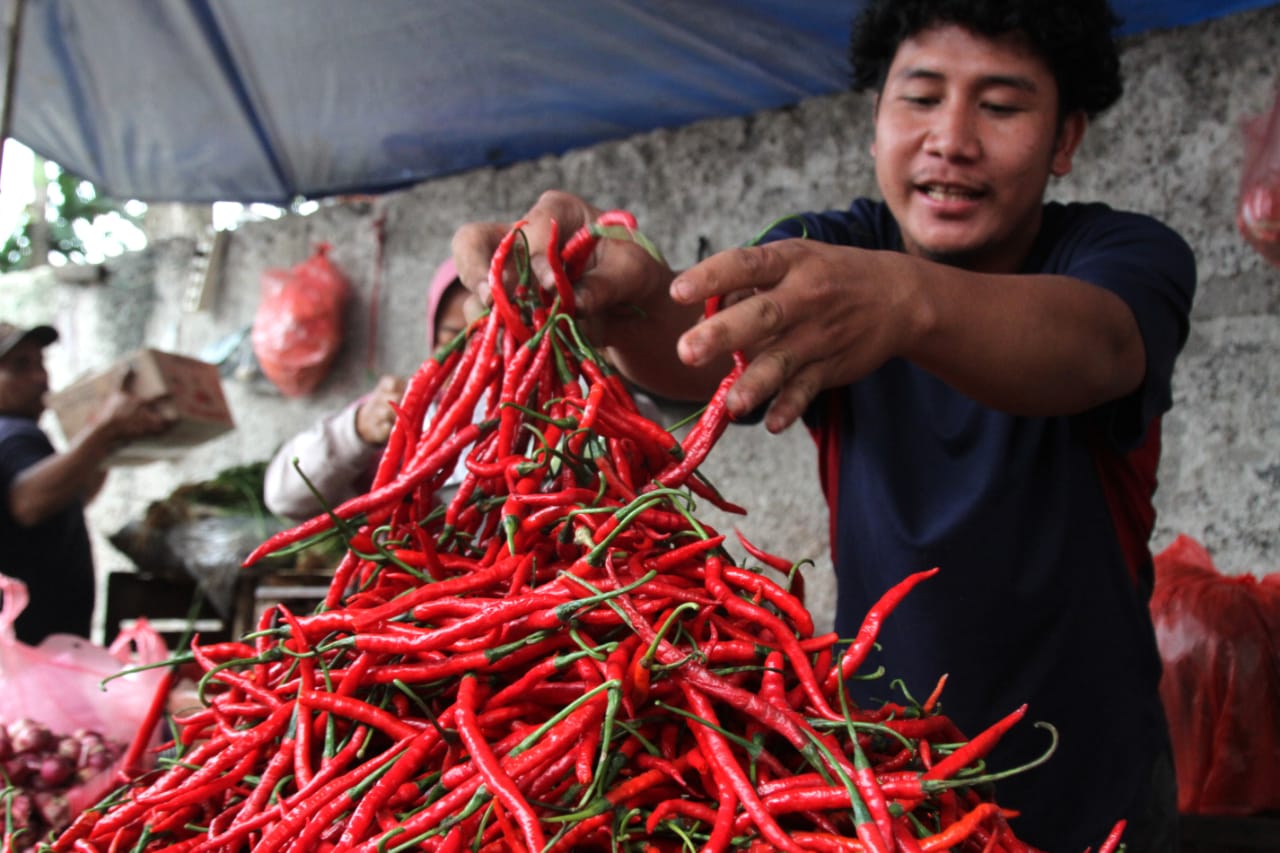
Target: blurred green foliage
{"points": [[69, 199]]}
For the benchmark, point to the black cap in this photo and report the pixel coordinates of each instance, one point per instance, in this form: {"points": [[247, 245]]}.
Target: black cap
{"points": [[11, 336]]}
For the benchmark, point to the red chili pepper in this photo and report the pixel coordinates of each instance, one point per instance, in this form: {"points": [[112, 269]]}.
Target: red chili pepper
{"points": [[379, 498], [1112, 840], [580, 834], [704, 434], [496, 779], [363, 712], [727, 767], [877, 826], [475, 369], [577, 250], [755, 614], [421, 388], [822, 842], [790, 606], [402, 769], [932, 701], [302, 825], [564, 287], [498, 289], [961, 829], [453, 842], [975, 749], [721, 835], [131, 764], [866, 636], [684, 808], [665, 562]]}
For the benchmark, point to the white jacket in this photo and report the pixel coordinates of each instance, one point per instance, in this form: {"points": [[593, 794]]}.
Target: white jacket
{"points": [[337, 461]]}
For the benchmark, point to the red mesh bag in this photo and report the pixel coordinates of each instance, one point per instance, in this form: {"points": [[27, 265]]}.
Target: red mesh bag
{"points": [[1258, 209], [297, 330], [1218, 636]]}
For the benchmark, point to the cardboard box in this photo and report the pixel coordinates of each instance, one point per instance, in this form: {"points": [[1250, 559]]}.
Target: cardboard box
{"points": [[194, 398]]}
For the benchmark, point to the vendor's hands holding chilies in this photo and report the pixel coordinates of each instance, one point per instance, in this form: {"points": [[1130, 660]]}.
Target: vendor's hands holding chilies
{"points": [[619, 276], [806, 315], [809, 315], [623, 300], [783, 305]]}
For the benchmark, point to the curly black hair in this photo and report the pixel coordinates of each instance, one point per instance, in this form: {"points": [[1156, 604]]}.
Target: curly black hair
{"points": [[1074, 37]]}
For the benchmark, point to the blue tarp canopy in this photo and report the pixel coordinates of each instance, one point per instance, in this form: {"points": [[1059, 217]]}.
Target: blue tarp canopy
{"points": [[272, 100]]}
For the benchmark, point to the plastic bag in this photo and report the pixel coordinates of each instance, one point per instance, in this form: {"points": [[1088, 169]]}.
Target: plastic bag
{"points": [[59, 684], [1219, 639], [212, 548], [297, 330], [1258, 209]]}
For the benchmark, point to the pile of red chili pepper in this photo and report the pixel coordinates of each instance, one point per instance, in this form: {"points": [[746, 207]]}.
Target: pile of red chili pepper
{"points": [[558, 657]]}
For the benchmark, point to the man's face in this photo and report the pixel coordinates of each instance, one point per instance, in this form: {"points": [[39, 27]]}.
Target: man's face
{"points": [[23, 380], [966, 137]]}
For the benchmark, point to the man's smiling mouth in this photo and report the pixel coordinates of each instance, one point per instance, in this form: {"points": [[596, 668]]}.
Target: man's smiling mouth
{"points": [[948, 192]]}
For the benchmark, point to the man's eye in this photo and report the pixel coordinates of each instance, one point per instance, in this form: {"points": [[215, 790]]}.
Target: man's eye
{"points": [[1002, 109]]}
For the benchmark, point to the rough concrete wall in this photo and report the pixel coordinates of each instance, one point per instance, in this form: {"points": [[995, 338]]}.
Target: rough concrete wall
{"points": [[1171, 148]]}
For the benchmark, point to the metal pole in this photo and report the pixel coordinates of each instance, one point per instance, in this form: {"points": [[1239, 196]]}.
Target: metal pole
{"points": [[10, 75]]}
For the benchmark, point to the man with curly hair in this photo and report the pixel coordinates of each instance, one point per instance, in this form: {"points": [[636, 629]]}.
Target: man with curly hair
{"points": [[984, 373]]}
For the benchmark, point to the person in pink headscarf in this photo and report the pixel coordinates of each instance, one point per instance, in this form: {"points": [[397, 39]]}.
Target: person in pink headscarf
{"points": [[340, 453]]}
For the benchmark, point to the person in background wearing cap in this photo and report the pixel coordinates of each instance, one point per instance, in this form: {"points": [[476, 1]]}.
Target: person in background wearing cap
{"points": [[42, 525], [340, 454]]}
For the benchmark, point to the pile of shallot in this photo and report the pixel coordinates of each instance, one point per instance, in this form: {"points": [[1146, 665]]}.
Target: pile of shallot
{"points": [[42, 767]]}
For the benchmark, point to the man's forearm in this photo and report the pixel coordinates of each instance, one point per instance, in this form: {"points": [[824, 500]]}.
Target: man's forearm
{"points": [[1032, 345], [58, 480]]}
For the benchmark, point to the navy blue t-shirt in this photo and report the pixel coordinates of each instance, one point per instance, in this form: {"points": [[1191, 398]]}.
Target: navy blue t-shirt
{"points": [[1040, 527], [53, 558]]}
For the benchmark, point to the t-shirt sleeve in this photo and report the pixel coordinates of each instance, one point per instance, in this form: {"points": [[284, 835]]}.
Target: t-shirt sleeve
{"points": [[1153, 270], [20, 448]]}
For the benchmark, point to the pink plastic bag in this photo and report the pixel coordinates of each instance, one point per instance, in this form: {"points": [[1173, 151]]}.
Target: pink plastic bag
{"points": [[1219, 639], [1258, 210], [297, 330], [59, 682]]}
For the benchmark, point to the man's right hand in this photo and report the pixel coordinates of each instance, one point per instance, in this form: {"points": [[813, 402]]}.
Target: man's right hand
{"points": [[623, 304], [475, 243], [126, 417]]}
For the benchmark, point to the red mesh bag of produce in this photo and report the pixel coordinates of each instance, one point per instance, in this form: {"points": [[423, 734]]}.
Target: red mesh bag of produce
{"points": [[1218, 638], [297, 330], [1258, 210]]}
